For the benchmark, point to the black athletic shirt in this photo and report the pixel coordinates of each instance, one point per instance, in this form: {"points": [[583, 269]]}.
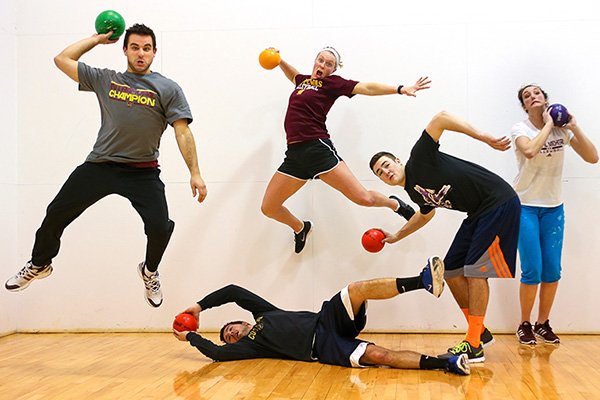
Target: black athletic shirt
{"points": [[276, 334], [435, 179]]}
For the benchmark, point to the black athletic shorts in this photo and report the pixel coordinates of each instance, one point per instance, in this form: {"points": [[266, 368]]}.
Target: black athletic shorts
{"points": [[307, 160], [336, 339]]}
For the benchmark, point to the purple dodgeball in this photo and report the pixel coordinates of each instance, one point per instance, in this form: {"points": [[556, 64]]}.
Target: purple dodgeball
{"points": [[559, 114]]}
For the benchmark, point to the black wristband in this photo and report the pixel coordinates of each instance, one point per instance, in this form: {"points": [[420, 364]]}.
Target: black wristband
{"points": [[399, 89]]}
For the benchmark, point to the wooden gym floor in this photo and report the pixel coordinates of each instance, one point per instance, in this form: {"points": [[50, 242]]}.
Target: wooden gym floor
{"points": [[157, 366]]}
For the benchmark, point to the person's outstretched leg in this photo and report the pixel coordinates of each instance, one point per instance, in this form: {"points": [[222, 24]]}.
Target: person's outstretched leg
{"points": [[431, 278], [87, 184], [280, 188], [343, 180], [406, 359]]}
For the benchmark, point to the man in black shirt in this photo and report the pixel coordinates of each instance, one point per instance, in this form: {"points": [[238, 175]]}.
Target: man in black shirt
{"points": [[485, 245], [329, 336]]}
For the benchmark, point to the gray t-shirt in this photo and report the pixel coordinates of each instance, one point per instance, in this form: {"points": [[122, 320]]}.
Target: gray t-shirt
{"points": [[135, 110]]}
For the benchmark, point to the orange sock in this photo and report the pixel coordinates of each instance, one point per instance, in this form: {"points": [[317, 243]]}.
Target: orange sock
{"points": [[466, 312], [475, 329]]}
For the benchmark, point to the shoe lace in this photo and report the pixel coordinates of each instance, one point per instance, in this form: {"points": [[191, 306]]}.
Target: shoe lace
{"points": [[462, 347], [29, 271], [525, 329], [26, 270], [152, 282], [546, 333]]}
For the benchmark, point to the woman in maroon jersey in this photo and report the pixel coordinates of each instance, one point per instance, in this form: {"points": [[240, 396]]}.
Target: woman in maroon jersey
{"points": [[311, 153]]}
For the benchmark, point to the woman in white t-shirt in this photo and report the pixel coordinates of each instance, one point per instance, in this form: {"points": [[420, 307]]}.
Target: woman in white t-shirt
{"points": [[539, 147]]}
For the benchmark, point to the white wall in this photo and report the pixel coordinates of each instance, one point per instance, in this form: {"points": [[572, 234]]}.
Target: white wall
{"points": [[8, 159], [477, 58]]}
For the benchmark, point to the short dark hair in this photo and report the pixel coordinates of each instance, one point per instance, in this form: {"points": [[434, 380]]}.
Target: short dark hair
{"points": [[139, 29], [377, 156], [225, 326], [522, 89]]}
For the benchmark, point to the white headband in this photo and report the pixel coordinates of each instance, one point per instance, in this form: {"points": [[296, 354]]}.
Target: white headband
{"points": [[338, 59]]}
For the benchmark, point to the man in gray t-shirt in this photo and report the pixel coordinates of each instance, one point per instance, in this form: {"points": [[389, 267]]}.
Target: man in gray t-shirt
{"points": [[136, 106]]}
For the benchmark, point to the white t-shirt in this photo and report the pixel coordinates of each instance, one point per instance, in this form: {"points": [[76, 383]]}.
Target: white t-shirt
{"points": [[539, 181]]}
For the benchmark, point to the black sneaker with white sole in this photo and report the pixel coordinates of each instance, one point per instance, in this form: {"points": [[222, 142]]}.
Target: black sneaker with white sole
{"points": [[525, 333], [487, 338], [475, 354], [300, 237], [545, 332]]}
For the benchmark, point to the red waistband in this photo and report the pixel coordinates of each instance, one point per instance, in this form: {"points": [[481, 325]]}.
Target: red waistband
{"points": [[145, 164]]}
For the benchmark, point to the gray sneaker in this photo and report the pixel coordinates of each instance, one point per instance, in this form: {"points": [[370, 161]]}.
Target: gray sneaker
{"points": [[26, 275], [153, 294]]}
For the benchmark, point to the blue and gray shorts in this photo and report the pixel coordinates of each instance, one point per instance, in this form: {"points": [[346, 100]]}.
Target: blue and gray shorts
{"points": [[486, 246]]}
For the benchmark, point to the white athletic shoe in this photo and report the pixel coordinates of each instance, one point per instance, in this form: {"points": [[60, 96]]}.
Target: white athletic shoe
{"points": [[432, 276], [459, 365], [26, 275], [153, 294]]}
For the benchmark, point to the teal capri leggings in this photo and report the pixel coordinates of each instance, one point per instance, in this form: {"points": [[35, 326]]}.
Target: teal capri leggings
{"points": [[540, 243]]}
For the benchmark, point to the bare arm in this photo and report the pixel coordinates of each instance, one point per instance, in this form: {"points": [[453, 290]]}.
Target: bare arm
{"points": [[445, 121], [67, 60], [289, 71], [580, 142], [379, 89], [416, 222], [531, 147], [187, 147]]}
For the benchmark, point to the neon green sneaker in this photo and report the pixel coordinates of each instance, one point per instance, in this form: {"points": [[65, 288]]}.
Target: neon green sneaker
{"points": [[475, 354]]}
